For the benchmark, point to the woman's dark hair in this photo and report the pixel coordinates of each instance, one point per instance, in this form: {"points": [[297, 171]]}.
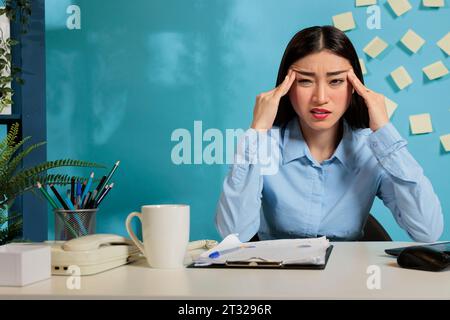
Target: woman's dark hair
{"points": [[313, 40]]}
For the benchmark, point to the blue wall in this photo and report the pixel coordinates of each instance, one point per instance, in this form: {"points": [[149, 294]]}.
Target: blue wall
{"points": [[138, 70]]}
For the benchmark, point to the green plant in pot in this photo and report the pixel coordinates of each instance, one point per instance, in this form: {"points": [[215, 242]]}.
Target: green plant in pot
{"points": [[16, 11], [14, 181]]}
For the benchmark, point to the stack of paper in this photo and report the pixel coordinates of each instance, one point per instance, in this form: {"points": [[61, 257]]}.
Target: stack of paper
{"points": [[285, 251]]}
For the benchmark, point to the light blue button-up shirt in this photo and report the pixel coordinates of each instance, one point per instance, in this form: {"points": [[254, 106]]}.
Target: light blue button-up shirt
{"points": [[305, 198]]}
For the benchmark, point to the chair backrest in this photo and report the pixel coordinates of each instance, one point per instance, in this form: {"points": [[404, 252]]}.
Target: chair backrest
{"points": [[373, 231]]}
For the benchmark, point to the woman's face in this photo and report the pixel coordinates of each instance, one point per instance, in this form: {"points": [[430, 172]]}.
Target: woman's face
{"points": [[321, 93]]}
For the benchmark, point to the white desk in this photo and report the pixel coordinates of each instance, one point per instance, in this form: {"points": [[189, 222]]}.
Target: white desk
{"points": [[345, 277]]}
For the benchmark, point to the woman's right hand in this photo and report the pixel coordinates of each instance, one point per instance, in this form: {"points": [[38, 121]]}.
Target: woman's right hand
{"points": [[266, 105]]}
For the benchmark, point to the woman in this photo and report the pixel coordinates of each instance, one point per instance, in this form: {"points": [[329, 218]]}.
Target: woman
{"points": [[337, 151]]}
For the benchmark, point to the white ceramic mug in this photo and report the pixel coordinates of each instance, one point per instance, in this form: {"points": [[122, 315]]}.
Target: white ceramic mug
{"points": [[165, 233]]}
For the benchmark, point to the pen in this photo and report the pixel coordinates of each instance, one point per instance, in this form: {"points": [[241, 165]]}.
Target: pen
{"points": [[99, 187], [76, 217], [83, 186], [78, 197], [91, 202], [107, 189], [114, 168], [72, 189], [218, 253], [88, 186]]}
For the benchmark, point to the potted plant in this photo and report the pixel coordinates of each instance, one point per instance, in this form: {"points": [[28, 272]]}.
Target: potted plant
{"points": [[14, 181], [12, 10]]}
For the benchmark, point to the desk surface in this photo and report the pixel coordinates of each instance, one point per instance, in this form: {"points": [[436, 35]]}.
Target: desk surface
{"points": [[345, 277]]}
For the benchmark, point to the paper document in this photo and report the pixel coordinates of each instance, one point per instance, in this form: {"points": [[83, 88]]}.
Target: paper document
{"points": [[284, 251]]}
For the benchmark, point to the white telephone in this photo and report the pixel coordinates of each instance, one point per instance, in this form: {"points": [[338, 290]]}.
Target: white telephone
{"points": [[99, 252]]}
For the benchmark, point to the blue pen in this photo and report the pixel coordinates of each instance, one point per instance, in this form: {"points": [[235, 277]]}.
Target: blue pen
{"points": [[88, 186], [71, 207], [78, 188], [216, 254]]}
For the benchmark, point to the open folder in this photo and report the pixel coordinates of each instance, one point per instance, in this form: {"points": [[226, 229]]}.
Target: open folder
{"points": [[285, 253]]}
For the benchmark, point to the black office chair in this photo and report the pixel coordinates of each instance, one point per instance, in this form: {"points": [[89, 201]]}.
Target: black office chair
{"points": [[373, 231]]}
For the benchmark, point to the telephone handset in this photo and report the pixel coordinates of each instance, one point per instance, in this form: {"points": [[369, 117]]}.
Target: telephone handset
{"points": [[92, 254], [99, 252], [95, 241]]}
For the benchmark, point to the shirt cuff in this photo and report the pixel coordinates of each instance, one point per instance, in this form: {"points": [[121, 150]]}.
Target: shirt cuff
{"points": [[386, 140]]}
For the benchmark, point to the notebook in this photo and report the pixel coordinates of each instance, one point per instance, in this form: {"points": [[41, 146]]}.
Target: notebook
{"points": [[275, 254]]}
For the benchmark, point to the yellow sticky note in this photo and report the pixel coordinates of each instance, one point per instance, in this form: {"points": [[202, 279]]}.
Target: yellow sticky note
{"points": [[344, 21], [444, 43], [435, 70], [361, 3], [401, 77], [445, 140], [420, 123], [390, 106], [433, 3], [363, 66], [412, 41], [400, 6], [375, 47]]}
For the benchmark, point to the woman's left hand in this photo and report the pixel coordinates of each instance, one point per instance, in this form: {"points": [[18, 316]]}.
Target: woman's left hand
{"points": [[374, 101]]}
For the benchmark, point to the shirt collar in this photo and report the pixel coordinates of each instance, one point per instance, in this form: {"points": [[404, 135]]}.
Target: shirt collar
{"points": [[295, 147]]}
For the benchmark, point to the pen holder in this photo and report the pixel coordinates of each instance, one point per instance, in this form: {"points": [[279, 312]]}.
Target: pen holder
{"points": [[70, 224]]}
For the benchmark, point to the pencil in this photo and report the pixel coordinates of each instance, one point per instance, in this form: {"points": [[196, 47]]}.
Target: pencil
{"points": [[47, 196], [91, 202], [100, 185], [114, 168], [58, 196], [76, 217], [86, 200], [100, 199]]}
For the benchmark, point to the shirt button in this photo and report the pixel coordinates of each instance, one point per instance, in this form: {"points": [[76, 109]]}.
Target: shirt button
{"points": [[374, 144]]}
